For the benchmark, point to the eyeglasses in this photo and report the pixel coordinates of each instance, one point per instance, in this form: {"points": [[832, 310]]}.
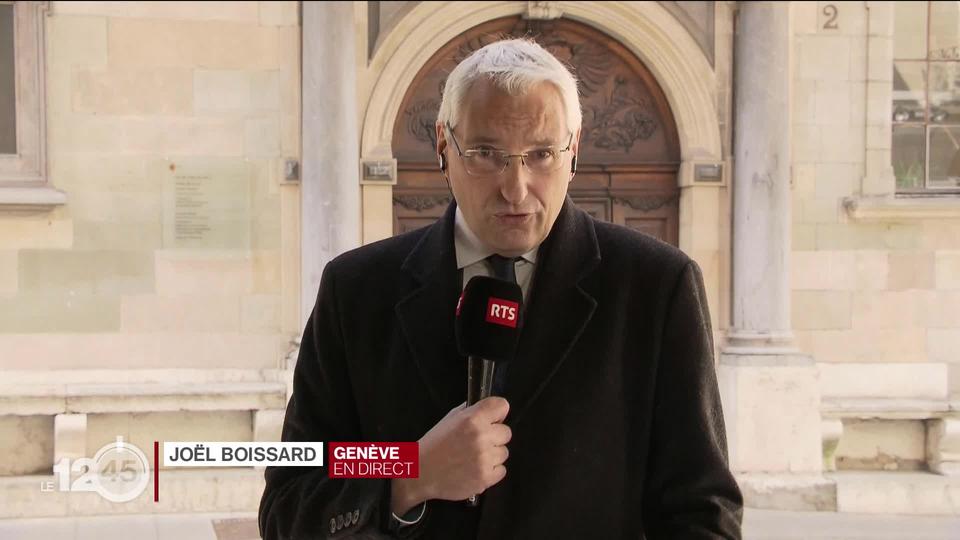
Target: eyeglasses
{"points": [[489, 161]]}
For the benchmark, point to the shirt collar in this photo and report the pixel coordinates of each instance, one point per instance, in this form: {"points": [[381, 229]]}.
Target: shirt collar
{"points": [[469, 248]]}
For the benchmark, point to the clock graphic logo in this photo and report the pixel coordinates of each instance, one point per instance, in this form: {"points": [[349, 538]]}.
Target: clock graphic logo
{"points": [[123, 471], [119, 472]]}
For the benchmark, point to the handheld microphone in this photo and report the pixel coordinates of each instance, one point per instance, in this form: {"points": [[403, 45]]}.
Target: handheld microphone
{"points": [[487, 330]]}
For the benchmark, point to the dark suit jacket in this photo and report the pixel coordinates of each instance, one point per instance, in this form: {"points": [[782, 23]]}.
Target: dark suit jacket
{"points": [[615, 411]]}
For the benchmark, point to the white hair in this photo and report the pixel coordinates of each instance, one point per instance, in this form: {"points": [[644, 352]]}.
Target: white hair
{"points": [[513, 65]]}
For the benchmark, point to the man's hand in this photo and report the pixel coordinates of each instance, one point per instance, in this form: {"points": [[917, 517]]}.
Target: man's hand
{"points": [[460, 457]]}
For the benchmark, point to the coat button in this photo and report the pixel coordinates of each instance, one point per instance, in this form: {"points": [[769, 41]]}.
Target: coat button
{"points": [[333, 525], [356, 516], [339, 522]]}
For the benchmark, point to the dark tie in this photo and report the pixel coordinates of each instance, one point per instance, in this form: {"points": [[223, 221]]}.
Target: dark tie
{"points": [[503, 268]]}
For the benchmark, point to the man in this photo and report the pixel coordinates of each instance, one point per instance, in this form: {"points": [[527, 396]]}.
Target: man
{"points": [[608, 420]]}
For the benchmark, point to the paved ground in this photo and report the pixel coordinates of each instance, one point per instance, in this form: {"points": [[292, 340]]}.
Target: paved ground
{"points": [[758, 525], [779, 525]]}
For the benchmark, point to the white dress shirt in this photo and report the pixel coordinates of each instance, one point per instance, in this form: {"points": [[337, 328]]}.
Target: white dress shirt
{"points": [[472, 255]]}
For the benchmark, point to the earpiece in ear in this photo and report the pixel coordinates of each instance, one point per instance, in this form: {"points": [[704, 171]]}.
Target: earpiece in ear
{"points": [[443, 162], [573, 164]]}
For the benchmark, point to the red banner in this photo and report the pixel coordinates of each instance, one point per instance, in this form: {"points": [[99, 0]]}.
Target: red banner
{"points": [[373, 459]]}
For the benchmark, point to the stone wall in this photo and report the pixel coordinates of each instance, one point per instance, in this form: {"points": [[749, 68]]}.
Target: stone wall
{"points": [[866, 289], [136, 91]]}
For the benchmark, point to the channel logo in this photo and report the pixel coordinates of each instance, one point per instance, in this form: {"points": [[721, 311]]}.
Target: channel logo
{"points": [[502, 312]]}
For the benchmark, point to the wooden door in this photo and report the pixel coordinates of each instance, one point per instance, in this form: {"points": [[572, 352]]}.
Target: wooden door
{"points": [[629, 149]]}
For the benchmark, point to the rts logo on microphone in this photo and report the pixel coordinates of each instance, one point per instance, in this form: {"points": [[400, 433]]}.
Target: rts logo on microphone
{"points": [[502, 312]]}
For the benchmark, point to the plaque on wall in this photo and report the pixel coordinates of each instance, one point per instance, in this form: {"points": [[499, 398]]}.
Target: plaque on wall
{"points": [[206, 203]]}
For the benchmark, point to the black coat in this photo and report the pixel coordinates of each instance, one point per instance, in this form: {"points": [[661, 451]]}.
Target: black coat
{"points": [[614, 406]]}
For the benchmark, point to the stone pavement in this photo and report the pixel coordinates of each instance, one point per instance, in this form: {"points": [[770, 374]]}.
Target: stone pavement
{"points": [[758, 525], [780, 525]]}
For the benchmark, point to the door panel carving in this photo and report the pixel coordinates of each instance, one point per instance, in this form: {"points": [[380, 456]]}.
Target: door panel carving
{"points": [[629, 155]]}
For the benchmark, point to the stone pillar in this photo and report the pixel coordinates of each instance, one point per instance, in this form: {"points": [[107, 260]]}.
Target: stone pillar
{"points": [[69, 437], [761, 188], [268, 425], [330, 185], [770, 391], [832, 430], [943, 445]]}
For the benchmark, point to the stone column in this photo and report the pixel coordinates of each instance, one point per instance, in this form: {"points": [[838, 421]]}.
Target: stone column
{"points": [[330, 185], [770, 391], [761, 187]]}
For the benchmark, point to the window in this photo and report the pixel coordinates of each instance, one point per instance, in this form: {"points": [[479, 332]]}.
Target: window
{"points": [[8, 82], [926, 97], [23, 167]]}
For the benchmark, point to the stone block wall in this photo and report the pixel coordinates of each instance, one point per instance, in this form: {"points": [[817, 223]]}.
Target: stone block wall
{"points": [[883, 290], [135, 89]]}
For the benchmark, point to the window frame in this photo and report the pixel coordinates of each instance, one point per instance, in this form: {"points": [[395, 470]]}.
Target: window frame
{"points": [[24, 183], [925, 190]]}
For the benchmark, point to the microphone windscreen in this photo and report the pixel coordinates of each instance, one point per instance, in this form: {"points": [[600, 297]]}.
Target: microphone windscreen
{"points": [[488, 318]]}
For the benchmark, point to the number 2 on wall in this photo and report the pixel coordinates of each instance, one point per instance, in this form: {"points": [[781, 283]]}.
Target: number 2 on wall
{"points": [[830, 11]]}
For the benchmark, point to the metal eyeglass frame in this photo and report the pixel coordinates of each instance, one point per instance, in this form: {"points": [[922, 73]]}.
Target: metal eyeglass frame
{"points": [[505, 156]]}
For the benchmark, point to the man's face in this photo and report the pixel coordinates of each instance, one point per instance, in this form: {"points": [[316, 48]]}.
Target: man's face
{"points": [[511, 212]]}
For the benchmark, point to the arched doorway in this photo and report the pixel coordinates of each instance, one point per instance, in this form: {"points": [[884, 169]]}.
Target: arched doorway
{"points": [[630, 150]]}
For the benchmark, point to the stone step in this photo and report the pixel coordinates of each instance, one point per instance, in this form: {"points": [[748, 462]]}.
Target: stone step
{"points": [[194, 490], [897, 492], [797, 492]]}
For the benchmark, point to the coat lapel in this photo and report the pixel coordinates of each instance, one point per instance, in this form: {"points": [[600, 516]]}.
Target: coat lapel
{"points": [[426, 315], [559, 308], [558, 311]]}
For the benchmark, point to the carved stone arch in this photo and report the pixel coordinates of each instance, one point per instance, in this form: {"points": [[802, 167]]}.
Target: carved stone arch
{"points": [[645, 28], [630, 149]]}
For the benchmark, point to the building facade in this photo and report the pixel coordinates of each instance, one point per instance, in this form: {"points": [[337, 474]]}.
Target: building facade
{"points": [[183, 171]]}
